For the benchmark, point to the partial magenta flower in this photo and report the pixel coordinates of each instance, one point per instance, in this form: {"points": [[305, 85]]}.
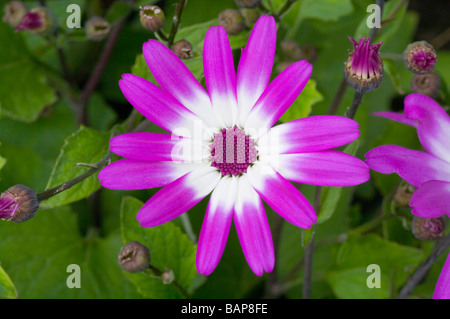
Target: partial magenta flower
{"points": [[427, 170], [18, 203], [223, 142]]}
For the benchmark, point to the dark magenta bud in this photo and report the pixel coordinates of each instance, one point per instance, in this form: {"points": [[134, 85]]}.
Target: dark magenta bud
{"points": [[427, 228], [18, 204], [420, 57], [364, 67]]}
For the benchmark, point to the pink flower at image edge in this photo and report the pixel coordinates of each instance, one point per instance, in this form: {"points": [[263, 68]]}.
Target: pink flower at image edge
{"points": [[234, 157], [428, 170]]}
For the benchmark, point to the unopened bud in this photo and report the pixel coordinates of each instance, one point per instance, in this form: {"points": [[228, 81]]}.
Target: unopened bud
{"points": [[403, 194], [97, 28], [167, 276], [427, 84], [364, 68], [134, 257], [14, 11], [183, 49], [38, 21], [420, 57], [250, 16], [232, 21], [18, 204], [152, 17], [427, 228], [247, 3]]}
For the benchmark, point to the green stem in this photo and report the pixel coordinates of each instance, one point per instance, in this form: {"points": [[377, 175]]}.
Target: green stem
{"points": [[285, 8], [357, 98], [176, 21], [65, 186], [439, 249]]}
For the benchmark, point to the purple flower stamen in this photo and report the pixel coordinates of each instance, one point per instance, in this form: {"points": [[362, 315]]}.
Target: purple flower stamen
{"points": [[232, 151]]}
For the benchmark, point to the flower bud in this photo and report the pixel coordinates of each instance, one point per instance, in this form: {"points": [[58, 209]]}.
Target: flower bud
{"points": [[14, 11], [247, 3], [134, 257], [250, 16], [183, 49], [167, 276], [97, 28], [403, 194], [427, 84], [232, 21], [427, 228], [152, 17], [18, 204], [364, 67], [420, 57], [38, 21]]}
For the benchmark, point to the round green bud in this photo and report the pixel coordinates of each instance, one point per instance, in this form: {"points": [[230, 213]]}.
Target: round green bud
{"points": [[97, 28], [14, 11], [232, 21], [182, 49], [428, 84], [134, 257], [403, 194], [152, 17]]}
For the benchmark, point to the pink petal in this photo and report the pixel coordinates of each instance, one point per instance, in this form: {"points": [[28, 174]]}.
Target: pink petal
{"points": [[156, 147], [156, 105], [326, 168], [129, 174], [430, 200], [442, 290], [255, 65], [434, 124], [253, 229], [178, 197], [279, 96], [220, 75], [398, 117], [415, 167], [175, 78], [281, 195], [216, 226], [309, 134]]}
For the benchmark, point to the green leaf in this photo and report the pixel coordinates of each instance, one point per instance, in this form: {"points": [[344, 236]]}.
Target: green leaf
{"points": [[36, 255], [351, 284], [24, 91], [330, 195], [348, 278], [7, 289], [85, 146], [392, 71], [195, 34], [303, 104], [169, 248], [326, 10]]}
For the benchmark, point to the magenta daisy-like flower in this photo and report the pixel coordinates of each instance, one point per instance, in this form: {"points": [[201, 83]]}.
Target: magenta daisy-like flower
{"points": [[428, 170], [222, 141]]}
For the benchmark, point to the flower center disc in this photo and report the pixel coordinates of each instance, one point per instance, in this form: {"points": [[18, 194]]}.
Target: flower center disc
{"points": [[232, 151]]}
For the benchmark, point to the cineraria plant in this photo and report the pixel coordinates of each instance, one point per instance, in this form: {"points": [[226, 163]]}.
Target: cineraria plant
{"points": [[224, 149]]}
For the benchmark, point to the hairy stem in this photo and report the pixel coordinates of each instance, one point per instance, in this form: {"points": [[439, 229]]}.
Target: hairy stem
{"points": [[357, 98], [176, 21], [439, 249]]}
